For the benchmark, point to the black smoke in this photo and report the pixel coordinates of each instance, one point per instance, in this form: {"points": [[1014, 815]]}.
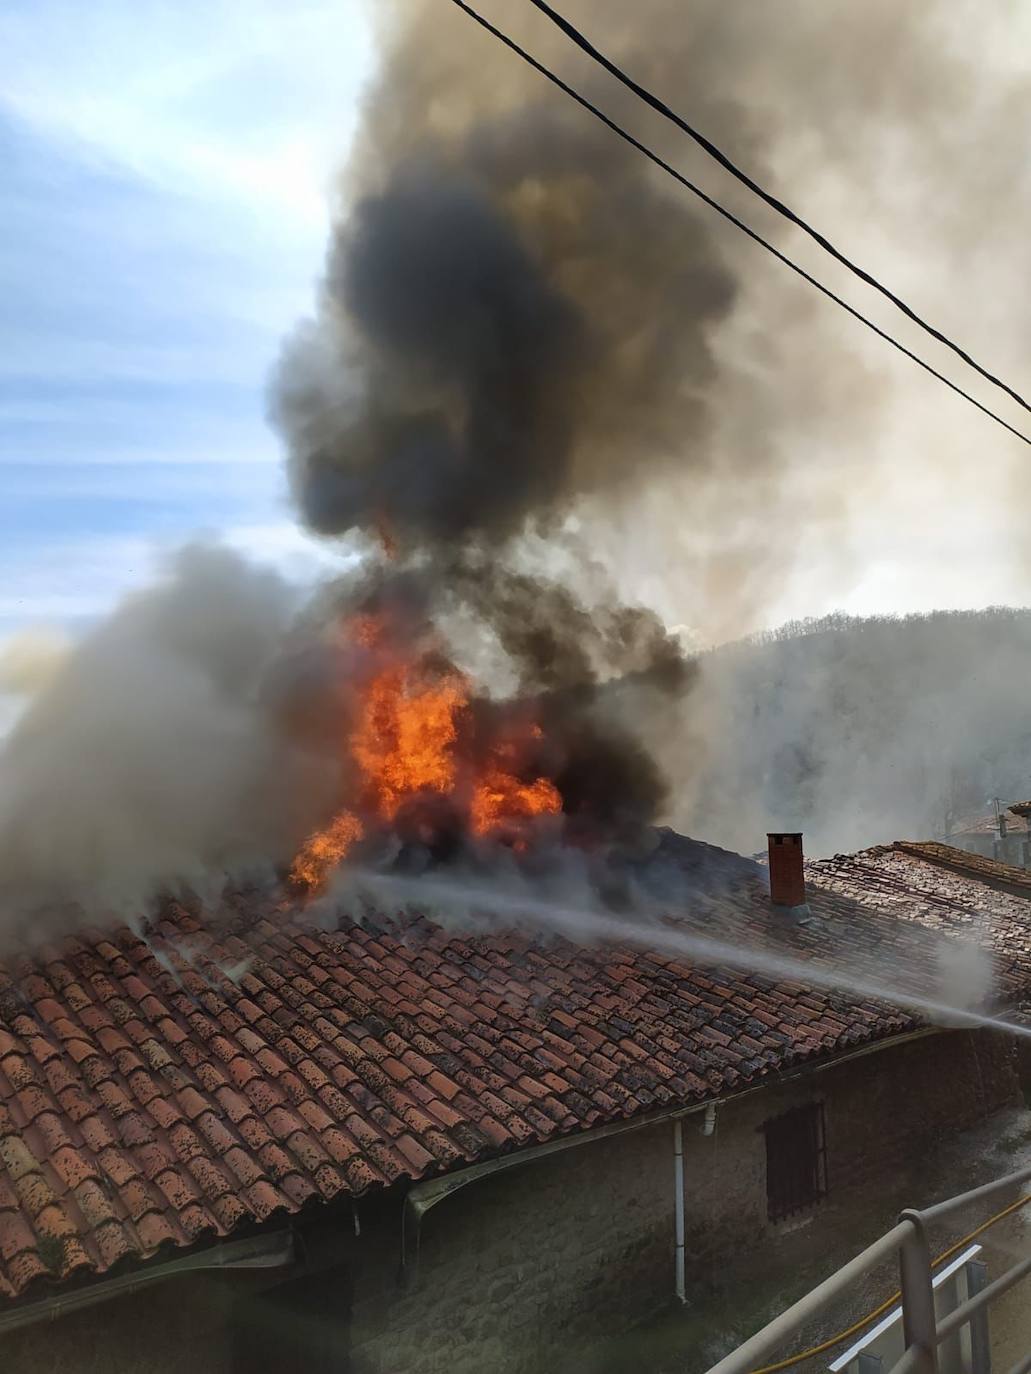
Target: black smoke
{"points": [[514, 316], [461, 425]]}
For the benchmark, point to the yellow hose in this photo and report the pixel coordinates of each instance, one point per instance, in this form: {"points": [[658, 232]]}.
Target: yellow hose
{"points": [[856, 1327]]}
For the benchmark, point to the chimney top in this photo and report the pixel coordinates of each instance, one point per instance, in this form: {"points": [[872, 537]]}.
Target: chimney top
{"points": [[787, 879]]}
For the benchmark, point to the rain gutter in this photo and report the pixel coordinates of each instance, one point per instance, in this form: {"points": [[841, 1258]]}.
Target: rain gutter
{"points": [[257, 1252]]}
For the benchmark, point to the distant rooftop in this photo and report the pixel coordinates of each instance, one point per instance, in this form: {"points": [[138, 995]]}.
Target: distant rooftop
{"points": [[986, 822]]}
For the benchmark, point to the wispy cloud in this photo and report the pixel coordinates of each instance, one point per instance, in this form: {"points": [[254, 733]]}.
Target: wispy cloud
{"points": [[165, 170], [243, 101]]}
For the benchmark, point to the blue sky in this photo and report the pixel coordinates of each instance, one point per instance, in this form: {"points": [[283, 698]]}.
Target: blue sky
{"points": [[165, 169]]}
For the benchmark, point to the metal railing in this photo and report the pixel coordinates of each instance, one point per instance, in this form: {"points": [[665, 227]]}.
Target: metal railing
{"points": [[923, 1332]]}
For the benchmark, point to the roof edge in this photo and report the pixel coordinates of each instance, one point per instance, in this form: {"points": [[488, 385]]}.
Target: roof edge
{"points": [[426, 1193]]}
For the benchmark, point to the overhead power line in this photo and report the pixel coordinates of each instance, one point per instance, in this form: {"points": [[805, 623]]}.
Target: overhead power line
{"points": [[728, 215], [653, 100]]}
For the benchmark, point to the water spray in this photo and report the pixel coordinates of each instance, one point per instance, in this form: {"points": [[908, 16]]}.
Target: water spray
{"points": [[445, 897]]}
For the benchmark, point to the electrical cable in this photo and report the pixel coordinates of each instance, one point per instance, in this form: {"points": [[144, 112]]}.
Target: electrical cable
{"points": [[728, 215], [585, 45]]}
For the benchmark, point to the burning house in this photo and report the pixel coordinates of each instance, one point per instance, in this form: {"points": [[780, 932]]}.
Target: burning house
{"points": [[355, 1012], [352, 1136]]}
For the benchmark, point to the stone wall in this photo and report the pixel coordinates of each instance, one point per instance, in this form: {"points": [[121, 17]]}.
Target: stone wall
{"points": [[521, 1270], [213, 1323], [545, 1265], [179, 1327]]}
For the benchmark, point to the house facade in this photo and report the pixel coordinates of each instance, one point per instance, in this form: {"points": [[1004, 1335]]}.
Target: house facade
{"points": [[1001, 834], [387, 1150]]}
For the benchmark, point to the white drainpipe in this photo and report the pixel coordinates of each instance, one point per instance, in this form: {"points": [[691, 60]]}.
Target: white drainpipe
{"points": [[678, 1205], [707, 1128]]}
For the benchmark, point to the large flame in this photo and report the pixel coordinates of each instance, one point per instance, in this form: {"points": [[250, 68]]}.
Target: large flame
{"points": [[411, 737], [501, 801], [405, 739]]}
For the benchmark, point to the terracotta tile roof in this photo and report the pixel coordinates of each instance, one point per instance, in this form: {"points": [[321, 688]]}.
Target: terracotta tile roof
{"points": [[164, 1088], [942, 889]]}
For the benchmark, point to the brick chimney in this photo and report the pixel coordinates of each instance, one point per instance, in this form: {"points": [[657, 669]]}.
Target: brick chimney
{"points": [[787, 881]]}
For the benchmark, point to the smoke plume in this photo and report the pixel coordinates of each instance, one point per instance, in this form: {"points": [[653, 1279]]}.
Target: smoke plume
{"points": [[522, 321], [515, 318], [514, 314]]}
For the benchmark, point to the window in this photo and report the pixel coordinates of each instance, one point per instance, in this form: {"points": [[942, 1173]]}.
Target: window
{"points": [[796, 1160]]}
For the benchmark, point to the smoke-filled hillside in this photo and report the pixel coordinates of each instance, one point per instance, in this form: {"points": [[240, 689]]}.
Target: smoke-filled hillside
{"points": [[857, 731]]}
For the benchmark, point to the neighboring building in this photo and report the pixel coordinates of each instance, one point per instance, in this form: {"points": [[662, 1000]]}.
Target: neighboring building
{"points": [[1002, 834], [243, 1142]]}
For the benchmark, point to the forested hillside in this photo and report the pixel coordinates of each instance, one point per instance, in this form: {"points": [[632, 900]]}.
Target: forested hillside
{"points": [[855, 731]]}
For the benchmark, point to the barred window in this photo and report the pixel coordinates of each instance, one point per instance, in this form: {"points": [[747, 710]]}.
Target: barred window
{"points": [[796, 1160]]}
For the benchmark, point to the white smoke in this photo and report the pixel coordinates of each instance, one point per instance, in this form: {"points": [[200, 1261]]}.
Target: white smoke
{"points": [[153, 756]]}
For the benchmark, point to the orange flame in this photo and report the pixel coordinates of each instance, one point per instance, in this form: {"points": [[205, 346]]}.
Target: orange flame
{"points": [[500, 800], [405, 742], [323, 851], [405, 738]]}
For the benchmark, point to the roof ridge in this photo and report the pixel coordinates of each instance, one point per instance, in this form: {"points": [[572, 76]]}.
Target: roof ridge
{"points": [[989, 871]]}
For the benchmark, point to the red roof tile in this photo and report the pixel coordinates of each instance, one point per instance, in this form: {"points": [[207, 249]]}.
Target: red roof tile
{"points": [[143, 1108]]}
